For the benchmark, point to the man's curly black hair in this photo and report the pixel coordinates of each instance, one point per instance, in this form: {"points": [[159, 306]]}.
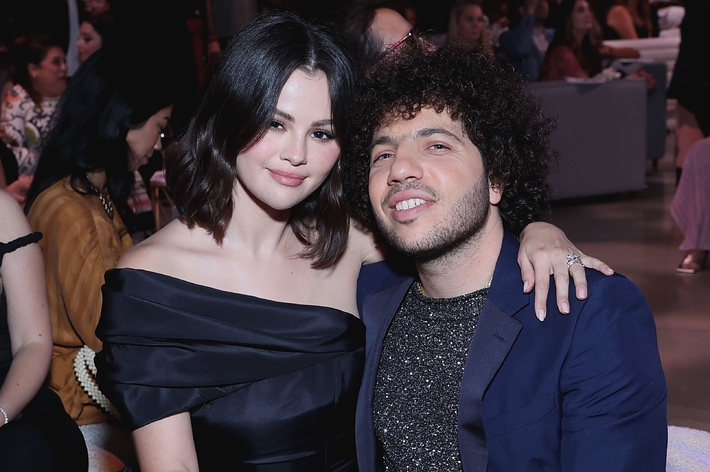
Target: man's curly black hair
{"points": [[499, 116]]}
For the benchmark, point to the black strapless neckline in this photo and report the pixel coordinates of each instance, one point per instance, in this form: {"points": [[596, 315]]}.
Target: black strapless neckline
{"points": [[270, 385]]}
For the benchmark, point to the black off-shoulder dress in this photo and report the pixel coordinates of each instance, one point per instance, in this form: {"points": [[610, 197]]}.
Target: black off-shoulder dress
{"points": [[270, 386]]}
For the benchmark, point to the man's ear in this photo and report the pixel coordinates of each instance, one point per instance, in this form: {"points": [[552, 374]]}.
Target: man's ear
{"points": [[495, 191]]}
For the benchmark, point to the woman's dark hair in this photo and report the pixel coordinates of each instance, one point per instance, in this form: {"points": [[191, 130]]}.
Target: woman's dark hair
{"points": [[30, 49], [106, 27], [238, 107], [8, 163], [587, 53], [6, 69], [353, 27], [111, 93]]}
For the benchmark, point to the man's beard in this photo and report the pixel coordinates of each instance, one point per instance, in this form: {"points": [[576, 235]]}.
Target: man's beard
{"points": [[460, 227]]}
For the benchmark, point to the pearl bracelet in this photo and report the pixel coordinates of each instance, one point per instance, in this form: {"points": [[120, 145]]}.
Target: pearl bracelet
{"points": [[4, 413], [85, 371]]}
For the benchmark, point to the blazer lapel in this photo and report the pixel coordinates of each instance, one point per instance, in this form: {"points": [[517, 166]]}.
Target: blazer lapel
{"points": [[495, 335], [377, 314]]}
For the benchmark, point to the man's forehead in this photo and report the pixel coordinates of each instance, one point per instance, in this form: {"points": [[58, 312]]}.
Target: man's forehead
{"points": [[405, 123]]}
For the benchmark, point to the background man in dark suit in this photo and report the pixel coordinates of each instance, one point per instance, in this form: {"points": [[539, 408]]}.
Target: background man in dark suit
{"points": [[460, 375]]}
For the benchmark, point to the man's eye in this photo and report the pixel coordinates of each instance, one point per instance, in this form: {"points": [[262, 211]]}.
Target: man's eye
{"points": [[381, 157]]}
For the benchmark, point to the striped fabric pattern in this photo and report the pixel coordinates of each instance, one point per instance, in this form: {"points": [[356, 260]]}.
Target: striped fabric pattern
{"points": [[80, 243]]}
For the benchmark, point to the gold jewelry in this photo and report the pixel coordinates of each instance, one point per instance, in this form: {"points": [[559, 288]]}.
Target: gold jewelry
{"points": [[106, 201]]}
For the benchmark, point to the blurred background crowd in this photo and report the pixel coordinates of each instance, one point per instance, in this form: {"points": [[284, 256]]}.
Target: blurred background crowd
{"points": [[42, 43]]}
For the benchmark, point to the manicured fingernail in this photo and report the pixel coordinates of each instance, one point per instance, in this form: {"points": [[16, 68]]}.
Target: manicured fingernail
{"points": [[541, 314], [582, 293], [565, 308], [525, 286]]}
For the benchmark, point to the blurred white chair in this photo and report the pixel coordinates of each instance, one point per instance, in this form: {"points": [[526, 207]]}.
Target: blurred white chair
{"points": [[670, 17], [688, 450]]}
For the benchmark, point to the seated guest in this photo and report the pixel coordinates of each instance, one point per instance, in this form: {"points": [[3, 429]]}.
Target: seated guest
{"points": [[102, 31], [451, 156], [8, 164], [576, 49], [691, 208], [467, 24], [690, 84], [525, 43], [94, 33], [108, 123], [36, 434], [40, 76], [628, 19]]}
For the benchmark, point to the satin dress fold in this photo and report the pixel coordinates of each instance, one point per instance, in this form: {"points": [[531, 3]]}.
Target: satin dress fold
{"points": [[270, 386]]}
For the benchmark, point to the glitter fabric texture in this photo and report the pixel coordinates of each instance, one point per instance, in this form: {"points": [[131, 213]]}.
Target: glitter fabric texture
{"points": [[416, 398]]}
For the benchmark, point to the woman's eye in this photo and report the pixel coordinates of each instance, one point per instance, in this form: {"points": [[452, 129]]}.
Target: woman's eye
{"points": [[323, 135], [276, 125]]}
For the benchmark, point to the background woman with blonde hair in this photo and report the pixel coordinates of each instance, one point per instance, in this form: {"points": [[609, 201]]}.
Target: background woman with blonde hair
{"points": [[467, 24]]}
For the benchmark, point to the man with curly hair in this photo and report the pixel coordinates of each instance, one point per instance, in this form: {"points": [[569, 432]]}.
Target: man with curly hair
{"points": [[460, 375]]}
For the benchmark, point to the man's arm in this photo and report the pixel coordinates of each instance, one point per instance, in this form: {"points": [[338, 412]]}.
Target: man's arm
{"points": [[613, 386]]}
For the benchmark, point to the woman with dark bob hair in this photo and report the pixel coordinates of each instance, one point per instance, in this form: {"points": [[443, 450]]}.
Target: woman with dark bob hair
{"points": [[231, 337], [96, 32], [108, 123]]}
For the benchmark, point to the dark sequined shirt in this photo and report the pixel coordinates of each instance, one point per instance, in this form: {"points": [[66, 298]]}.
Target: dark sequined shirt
{"points": [[416, 399]]}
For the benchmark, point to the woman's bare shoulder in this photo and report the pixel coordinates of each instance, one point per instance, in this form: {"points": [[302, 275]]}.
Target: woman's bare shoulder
{"points": [[363, 241], [13, 223], [618, 11], [166, 252]]}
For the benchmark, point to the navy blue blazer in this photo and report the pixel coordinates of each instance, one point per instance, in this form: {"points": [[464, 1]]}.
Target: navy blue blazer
{"points": [[577, 392]]}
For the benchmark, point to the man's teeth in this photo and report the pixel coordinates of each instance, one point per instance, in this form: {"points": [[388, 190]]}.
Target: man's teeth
{"points": [[407, 204]]}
